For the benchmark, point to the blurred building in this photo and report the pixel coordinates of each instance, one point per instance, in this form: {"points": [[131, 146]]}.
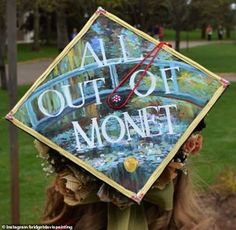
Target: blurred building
{"points": [[24, 35]]}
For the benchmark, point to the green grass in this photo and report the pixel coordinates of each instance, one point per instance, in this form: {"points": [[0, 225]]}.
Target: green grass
{"points": [[219, 147], [219, 150], [25, 52], [32, 179], [193, 35], [169, 35], [220, 58]]}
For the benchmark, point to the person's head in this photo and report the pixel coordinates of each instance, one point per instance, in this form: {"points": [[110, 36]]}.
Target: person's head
{"points": [[70, 197]]}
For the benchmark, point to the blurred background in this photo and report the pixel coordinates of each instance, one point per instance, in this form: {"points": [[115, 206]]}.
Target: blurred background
{"points": [[202, 30], [53, 21]]}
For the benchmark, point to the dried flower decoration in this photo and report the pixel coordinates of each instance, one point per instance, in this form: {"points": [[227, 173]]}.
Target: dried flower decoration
{"points": [[169, 174], [42, 149], [43, 153], [108, 194], [74, 185], [193, 145]]}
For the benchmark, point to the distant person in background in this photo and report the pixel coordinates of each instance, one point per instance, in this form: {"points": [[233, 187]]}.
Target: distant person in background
{"points": [[156, 31], [209, 31], [150, 30], [161, 32], [220, 32], [74, 33]]}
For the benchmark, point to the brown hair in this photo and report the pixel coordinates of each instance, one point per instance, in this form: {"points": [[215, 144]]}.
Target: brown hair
{"points": [[187, 213]]}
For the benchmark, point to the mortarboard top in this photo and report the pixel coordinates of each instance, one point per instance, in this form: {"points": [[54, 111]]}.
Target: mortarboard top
{"points": [[118, 103]]}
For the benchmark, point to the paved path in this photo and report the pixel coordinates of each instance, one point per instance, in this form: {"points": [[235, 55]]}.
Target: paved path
{"points": [[229, 76], [185, 44], [28, 72]]}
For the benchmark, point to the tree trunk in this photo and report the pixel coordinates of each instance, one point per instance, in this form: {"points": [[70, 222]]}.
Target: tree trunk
{"points": [[12, 92], [228, 32], [177, 39], [62, 32], [3, 76], [36, 27], [142, 14], [49, 31], [203, 31]]}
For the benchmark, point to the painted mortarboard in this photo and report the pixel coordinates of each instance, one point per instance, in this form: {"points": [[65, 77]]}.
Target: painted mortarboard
{"points": [[118, 103]]}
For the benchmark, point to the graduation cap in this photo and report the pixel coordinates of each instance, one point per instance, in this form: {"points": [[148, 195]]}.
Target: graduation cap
{"points": [[118, 103]]}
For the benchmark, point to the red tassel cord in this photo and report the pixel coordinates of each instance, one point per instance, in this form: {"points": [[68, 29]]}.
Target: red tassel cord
{"points": [[114, 100]]}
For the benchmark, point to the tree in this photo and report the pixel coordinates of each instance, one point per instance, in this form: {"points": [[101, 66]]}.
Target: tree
{"points": [[60, 8], [214, 12], [179, 14], [62, 32], [3, 44], [48, 9], [35, 46], [12, 92]]}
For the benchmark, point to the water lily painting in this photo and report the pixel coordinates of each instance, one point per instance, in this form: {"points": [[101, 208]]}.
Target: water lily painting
{"points": [[118, 103]]}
